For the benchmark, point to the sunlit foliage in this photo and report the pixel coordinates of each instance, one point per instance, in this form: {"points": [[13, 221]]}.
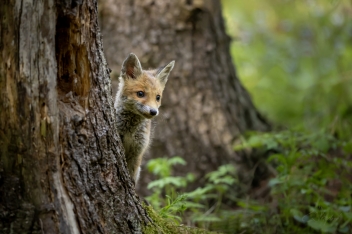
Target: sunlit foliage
{"points": [[295, 59]]}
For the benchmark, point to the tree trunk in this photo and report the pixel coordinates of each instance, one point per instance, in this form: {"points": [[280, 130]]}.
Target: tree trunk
{"points": [[61, 165], [205, 108]]}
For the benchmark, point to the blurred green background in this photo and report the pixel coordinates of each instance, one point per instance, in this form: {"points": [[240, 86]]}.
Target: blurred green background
{"points": [[295, 59]]}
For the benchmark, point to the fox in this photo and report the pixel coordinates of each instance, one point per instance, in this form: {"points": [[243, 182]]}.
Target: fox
{"points": [[137, 102]]}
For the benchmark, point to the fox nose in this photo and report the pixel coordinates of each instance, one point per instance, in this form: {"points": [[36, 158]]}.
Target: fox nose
{"points": [[153, 112]]}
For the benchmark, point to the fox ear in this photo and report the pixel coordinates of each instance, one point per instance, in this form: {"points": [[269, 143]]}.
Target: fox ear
{"points": [[163, 73], [131, 67]]}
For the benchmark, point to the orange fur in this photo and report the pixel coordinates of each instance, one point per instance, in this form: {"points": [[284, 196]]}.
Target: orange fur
{"points": [[147, 83]]}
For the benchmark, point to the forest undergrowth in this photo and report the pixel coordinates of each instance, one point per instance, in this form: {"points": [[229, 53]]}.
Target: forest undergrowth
{"points": [[310, 192]]}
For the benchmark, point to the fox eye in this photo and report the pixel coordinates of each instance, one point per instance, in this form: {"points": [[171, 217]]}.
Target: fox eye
{"points": [[157, 98], [140, 94]]}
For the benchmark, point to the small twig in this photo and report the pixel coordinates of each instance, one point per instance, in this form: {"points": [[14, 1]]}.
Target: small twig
{"points": [[210, 210]]}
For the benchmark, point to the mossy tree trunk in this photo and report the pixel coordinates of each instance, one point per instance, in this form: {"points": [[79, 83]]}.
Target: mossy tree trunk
{"points": [[205, 108], [61, 164]]}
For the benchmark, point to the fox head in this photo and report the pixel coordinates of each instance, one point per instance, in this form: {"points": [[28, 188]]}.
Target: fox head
{"points": [[141, 90]]}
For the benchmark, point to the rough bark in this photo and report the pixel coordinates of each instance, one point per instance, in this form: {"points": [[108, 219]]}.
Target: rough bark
{"points": [[62, 169], [205, 108]]}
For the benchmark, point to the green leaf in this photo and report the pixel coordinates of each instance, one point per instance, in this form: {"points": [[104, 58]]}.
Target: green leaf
{"points": [[348, 215], [252, 206], [298, 215], [347, 148], [345, 208], [278, 157], [255, 141], [321, 225], [176, 160], [321, 144], [274, 182], [178, 182], [199, 192]]}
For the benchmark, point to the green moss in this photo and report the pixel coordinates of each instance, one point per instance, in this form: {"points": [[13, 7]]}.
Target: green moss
{"points": [[43, 127], [165, 226]]}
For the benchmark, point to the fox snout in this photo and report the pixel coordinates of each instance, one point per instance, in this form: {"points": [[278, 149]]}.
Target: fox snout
{"points": [[153, 112], [147, 111]]}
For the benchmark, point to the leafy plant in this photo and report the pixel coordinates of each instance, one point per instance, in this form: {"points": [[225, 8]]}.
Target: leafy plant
{"points": [[312, 188], [167, 184], [202, 204]]}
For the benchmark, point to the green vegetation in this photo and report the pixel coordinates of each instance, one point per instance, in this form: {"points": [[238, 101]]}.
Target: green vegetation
{"points": [[311, 190], [295, 59], [202, 207], [162, 225], [312, 187]]}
